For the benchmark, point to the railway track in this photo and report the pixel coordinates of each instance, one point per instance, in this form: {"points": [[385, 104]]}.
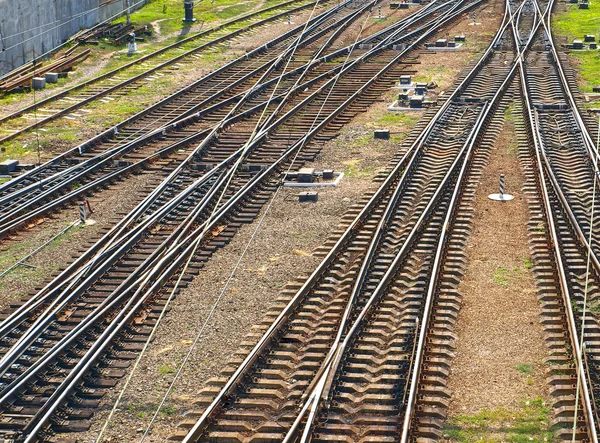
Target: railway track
{"points": [[562, 162], [169, 131], [361, 350], [72, 339], [134, 74], [159, 131]]}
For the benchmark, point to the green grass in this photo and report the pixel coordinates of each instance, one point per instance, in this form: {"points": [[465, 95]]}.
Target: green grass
{"points": [[170, 13], [353, 169], [529, 423], [503, 275], [500, 276], [525, 368], [165, 369], [575, 23]]}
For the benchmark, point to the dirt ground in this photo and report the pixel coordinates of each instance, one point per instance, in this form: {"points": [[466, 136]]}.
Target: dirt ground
{"points": [[500, 354]]}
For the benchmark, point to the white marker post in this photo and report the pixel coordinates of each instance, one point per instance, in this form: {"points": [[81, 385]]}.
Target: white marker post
{"points": [[501, 196]]}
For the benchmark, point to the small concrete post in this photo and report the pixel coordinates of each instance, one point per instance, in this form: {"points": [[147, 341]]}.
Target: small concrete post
{"points": [[501, 184], [289, 19]]}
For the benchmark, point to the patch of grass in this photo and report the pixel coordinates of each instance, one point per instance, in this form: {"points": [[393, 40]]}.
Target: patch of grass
{"points": [[165, 369], [575, 23], [353, 169], [527, 263], [529, 423], [500, 276], [525, 368]]}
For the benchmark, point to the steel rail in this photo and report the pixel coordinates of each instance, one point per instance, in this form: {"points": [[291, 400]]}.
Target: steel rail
{"points": [[7, 325], [320, 387], [10, 224], [119, 150], [26, 339], [231, 65]]}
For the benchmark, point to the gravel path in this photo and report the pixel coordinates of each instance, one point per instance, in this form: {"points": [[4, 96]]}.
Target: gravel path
{"points": [[500, 349]]}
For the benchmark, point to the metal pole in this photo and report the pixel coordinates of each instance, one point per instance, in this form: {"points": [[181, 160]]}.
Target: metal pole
{"points": [[128, 12], [501, 184], [188, 7]]}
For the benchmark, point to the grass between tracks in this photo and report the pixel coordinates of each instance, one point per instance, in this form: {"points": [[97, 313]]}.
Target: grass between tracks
{"points": [[573, 23], [529, 423]]}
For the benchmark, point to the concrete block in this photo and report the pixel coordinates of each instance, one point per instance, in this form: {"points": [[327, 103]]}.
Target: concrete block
{"points": [[51, 77], [593, 46], [405, 79], [394, 5], [382, 134], [596, 89], [403, 97], [421, 89], [416, 101], [306, 175], [38, 83], [327, 174], [452, 44], [308, 196], [442, 42], [8, 166], [577, 44], [589, 38], [584, 6], [459, 38]]}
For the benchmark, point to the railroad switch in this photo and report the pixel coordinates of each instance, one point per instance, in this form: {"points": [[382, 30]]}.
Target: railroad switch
{"points": [[308, 196]]}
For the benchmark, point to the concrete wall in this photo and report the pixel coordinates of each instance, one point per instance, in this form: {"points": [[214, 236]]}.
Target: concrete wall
{"points": [[29, 28]]}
